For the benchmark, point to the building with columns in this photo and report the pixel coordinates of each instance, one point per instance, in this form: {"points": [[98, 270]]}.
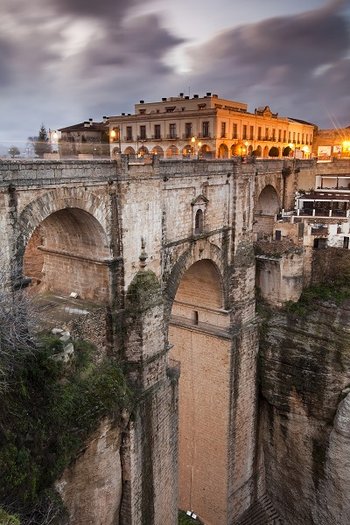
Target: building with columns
{"points": [[207, 127]]}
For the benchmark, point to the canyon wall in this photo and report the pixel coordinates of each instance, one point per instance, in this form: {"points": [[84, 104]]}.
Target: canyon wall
{"points": [[305, 412]]}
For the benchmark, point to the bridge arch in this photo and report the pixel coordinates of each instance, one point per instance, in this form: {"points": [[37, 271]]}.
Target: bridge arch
{"points": [[63, 245], [199, 333], [266, 207], [268, 201]]}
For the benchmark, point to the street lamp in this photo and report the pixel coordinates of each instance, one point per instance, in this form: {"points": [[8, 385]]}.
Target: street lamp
{"points": [[346, 147], [306, 151], [196, 147], [114, 135]]}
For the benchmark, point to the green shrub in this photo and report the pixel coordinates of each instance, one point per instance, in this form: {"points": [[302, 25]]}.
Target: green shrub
{"points": [[7, 519], [46, 414]]}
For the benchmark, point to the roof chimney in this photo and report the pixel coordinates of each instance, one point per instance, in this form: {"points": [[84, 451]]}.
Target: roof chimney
{"points": [[208, 94], [142, 101], [181, 95], [164, 99], [195, 96]]}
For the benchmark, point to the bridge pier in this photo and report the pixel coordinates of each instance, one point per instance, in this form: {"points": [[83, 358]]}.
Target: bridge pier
{"points": [[149, 452]]}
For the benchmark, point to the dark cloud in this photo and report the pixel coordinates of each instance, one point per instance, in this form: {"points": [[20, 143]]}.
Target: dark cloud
{"points": [[139, 39], [62, 61], [289, 60], [97, 9]]}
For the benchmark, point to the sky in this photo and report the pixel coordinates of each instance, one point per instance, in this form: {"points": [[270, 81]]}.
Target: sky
{"points": [[65, 61]]}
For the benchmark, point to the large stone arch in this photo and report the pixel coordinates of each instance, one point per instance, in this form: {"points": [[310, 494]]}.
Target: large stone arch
{"points": [[201, 343], [197, 252], [63, 244], [52, 201]]}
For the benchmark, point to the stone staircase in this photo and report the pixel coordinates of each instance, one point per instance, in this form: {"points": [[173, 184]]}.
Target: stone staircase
{"points": [[262, 512]]}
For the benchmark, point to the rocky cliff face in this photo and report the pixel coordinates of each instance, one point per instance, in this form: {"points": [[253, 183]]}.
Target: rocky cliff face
{"points": [[305, 413], [91, 487]]}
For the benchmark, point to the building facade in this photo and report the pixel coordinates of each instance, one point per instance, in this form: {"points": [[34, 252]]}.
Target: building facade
{"points": [[86, 138], [330, 143], [207, 127]]}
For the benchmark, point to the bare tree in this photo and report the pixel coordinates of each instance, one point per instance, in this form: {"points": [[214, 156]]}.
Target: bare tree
{"points": [[17, 327]]}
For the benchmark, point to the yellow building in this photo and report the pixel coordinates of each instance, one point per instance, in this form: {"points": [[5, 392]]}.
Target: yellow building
{"points": [[209, 127], [331, 143]]}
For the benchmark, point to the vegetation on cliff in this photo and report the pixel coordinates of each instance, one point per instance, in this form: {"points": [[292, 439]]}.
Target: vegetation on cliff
{"points": [[47, 411]]}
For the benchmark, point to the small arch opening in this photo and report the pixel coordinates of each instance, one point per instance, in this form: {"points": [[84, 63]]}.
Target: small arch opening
{"points": [[199, 222]]}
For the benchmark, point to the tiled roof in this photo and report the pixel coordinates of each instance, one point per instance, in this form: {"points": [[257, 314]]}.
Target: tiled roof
{"points": [[86, 126]]}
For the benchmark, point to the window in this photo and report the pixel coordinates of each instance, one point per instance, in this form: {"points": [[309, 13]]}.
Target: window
{"points": [[267, 133], [244, 131], [273, 134], [279, 135], [235, 131], [172, 131], [346, 243], [320, 243], [198, 223], [259, 132], [278, 235], [142, 132], [205, 129], [298, 139], [157, 131], [251, 133], [128, 132], [302, 138], [188, 130], [293, 136], [289, 137], [285, 135], [223, 130]]}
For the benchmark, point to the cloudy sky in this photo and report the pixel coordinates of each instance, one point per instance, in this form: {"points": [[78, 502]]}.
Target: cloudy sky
{"points": [[64, 61]]}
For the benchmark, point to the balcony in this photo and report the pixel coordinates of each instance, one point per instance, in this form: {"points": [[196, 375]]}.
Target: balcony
{"points": [[128, 138], [142, 137], [172, 136]]}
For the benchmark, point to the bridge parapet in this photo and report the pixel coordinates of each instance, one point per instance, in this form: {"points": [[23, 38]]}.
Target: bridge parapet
{"points": [[34, 172]]}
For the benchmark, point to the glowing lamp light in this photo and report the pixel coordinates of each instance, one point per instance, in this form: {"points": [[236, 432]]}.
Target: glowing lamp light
{"points": [[113, 134]]}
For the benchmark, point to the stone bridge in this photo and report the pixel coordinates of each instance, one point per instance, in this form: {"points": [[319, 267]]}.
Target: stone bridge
{"points": [[166, 247]]}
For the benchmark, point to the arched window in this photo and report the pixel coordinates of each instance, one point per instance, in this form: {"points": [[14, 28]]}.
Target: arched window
{"points": [[198, 223]]}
